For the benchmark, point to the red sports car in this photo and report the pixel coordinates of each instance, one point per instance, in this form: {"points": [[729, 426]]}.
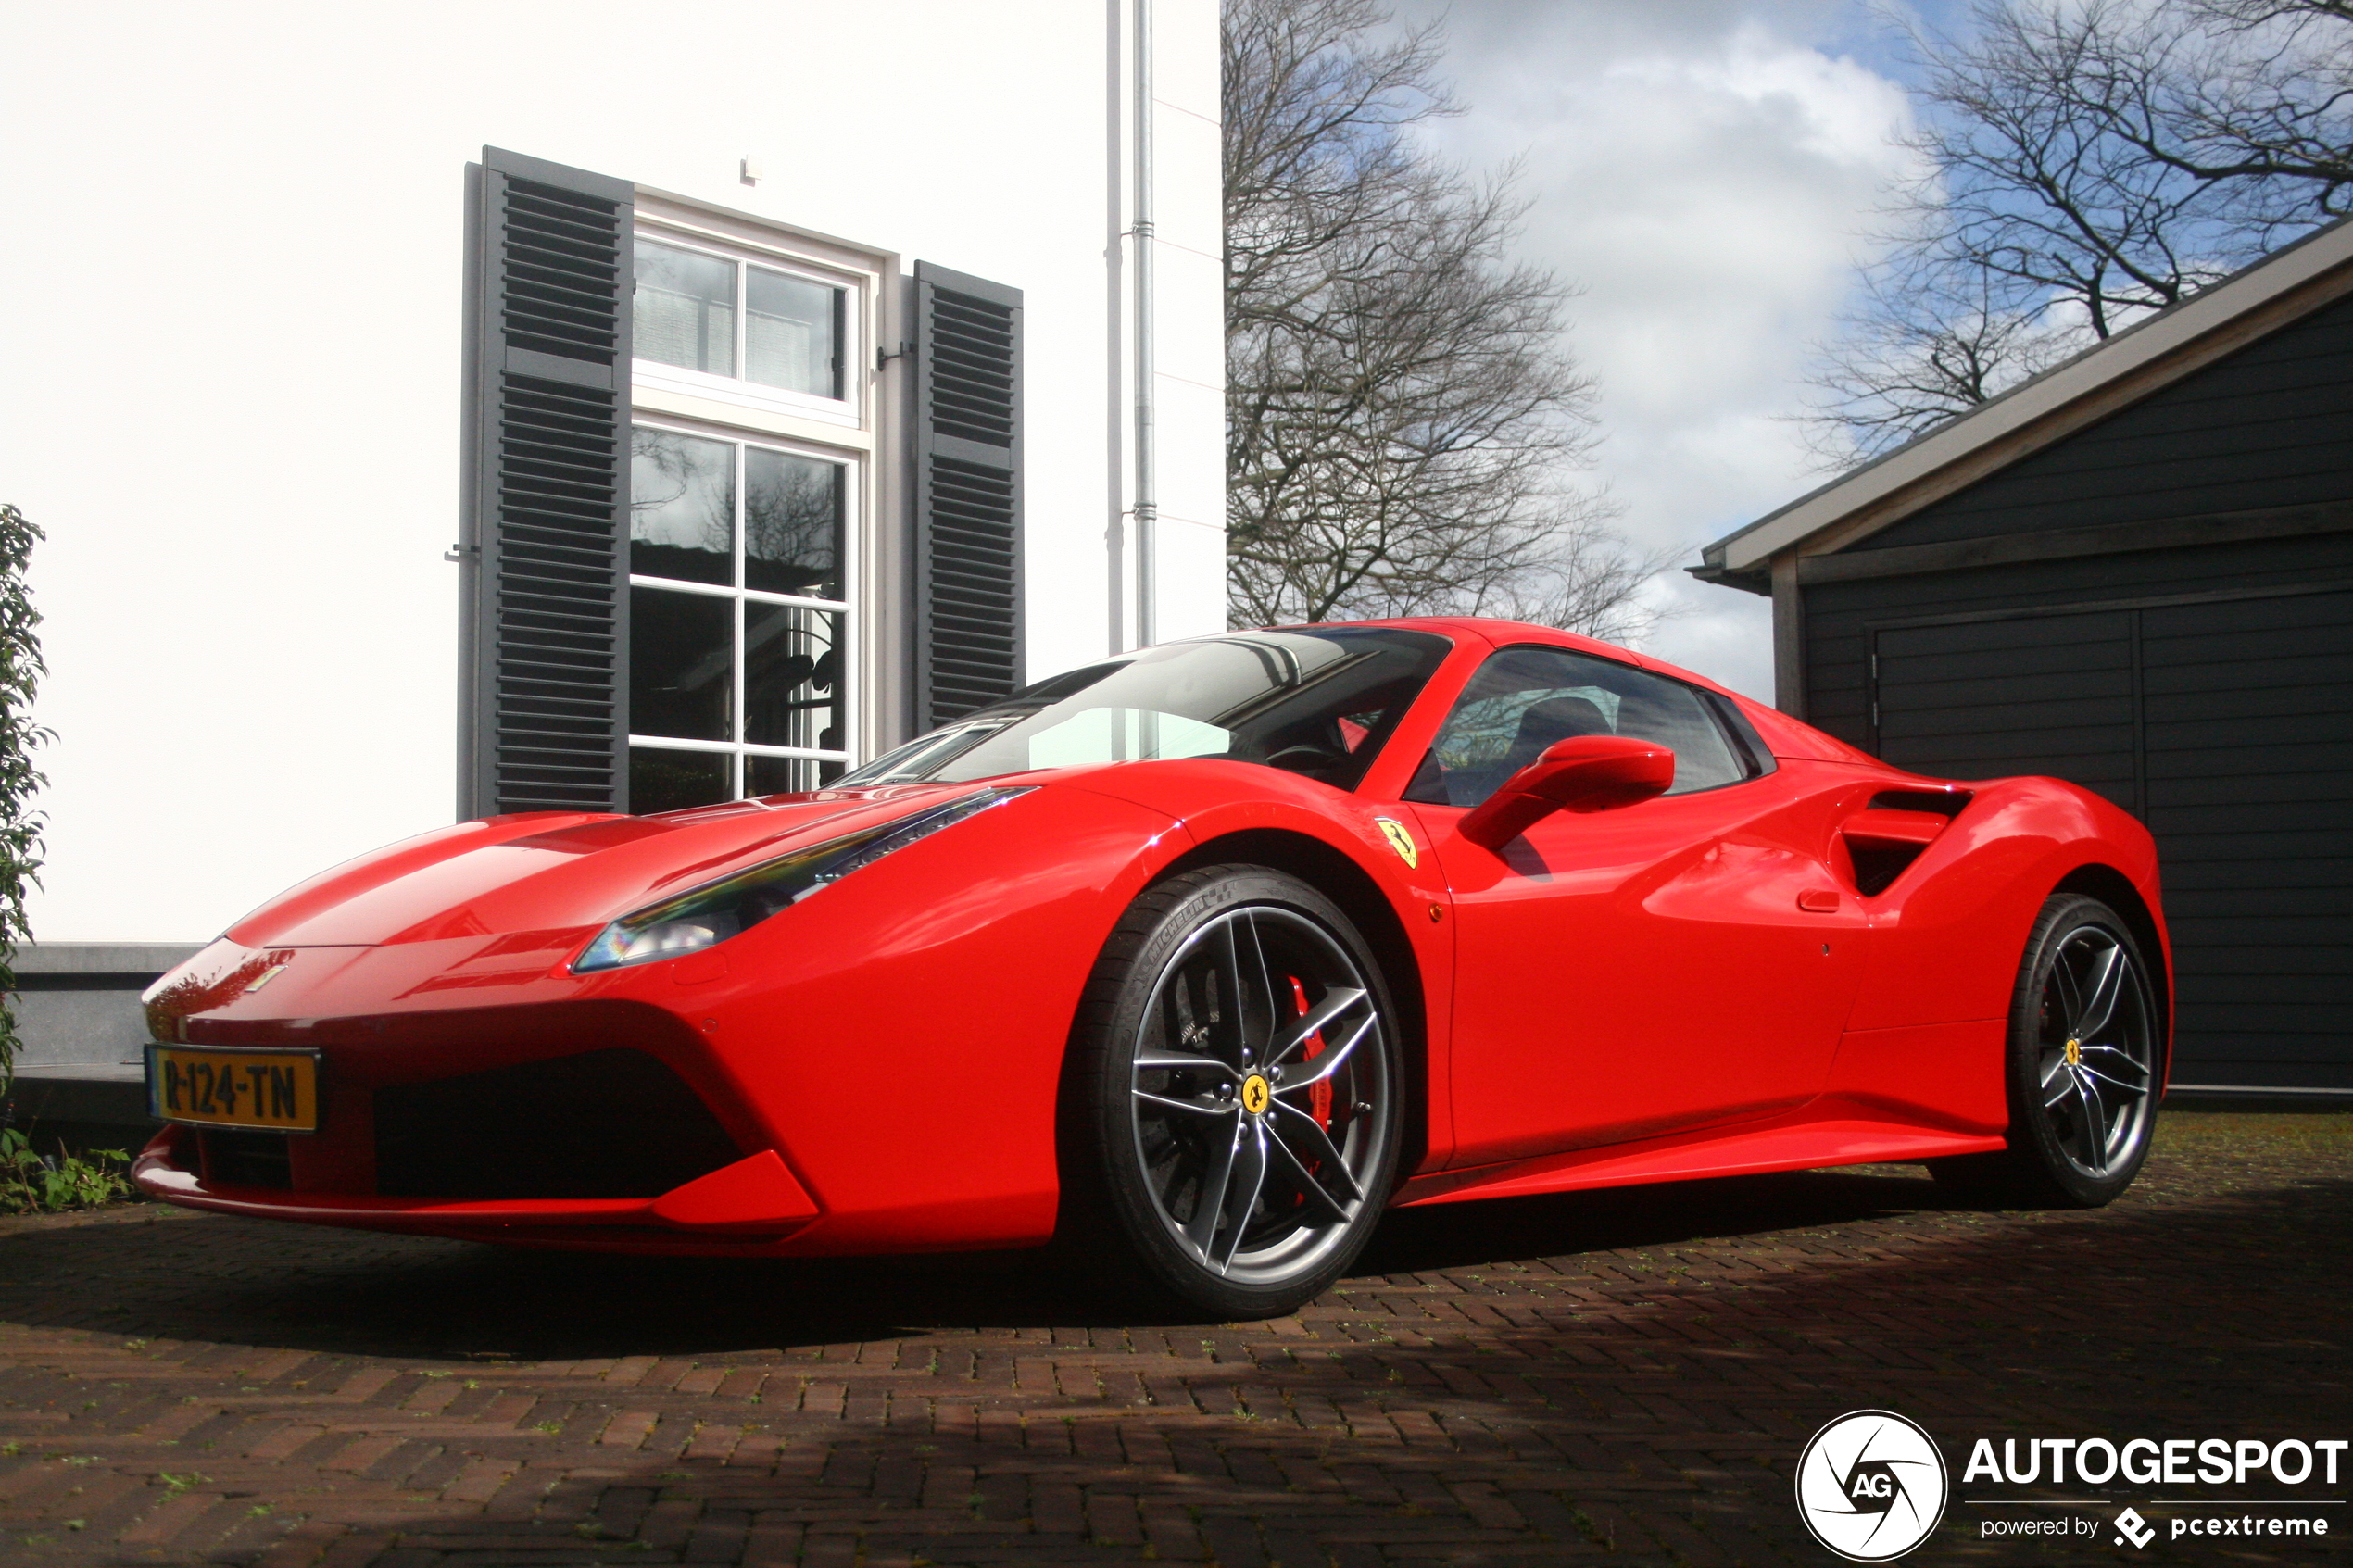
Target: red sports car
{"points": [[1201, 957]]}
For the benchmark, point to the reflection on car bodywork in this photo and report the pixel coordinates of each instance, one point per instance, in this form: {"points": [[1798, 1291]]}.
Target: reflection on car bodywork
{"points": [[646, 1034]]}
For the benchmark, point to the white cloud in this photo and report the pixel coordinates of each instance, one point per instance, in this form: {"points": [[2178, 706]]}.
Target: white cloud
{"points": [[1704, 171]]}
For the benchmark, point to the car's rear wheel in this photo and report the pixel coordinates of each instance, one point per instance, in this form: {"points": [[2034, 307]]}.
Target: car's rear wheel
{"points": [[1235, 1104], [2084, 1065]]}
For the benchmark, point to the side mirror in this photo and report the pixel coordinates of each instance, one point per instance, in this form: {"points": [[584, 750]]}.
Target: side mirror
{"points": [[1582, 773]]}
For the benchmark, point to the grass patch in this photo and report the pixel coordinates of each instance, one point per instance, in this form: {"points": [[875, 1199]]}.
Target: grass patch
{"points": [[2254, 1129]]}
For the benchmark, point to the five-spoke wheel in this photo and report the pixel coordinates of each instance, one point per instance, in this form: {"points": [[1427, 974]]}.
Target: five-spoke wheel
{"points": [[2084, 1065], [1239, 1089], [2094, 1058]]}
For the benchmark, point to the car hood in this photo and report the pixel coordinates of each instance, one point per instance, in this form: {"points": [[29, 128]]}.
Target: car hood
{"points": [[548, 872]]}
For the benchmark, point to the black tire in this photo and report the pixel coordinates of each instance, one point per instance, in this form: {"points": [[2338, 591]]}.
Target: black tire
{"points": [[2085, 1056], [1220, 1189]]}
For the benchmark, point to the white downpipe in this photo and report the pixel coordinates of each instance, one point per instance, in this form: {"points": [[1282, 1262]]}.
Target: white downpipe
{"points": [[1147, 435]]}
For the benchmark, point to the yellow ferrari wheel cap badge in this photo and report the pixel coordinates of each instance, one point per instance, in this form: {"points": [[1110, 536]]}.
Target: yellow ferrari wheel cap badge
{"points": [[2075, 1053], [1400, 841], [1257, 1093]]}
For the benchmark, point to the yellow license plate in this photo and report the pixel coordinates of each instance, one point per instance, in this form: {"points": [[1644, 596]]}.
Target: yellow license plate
{"points": [[277, 1090]]}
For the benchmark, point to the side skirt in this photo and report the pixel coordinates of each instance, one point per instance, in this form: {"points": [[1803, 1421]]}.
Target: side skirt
{"points": [[1822, 1136]]}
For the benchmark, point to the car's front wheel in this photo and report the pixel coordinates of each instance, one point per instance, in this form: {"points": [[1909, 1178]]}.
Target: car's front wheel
{"points": [[2084, 1066], [1235, 1107]]}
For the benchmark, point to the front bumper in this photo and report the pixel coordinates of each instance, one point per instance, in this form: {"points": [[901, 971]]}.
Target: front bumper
{"points": [[750, 1206], [897, 1042], [604, 1123]]}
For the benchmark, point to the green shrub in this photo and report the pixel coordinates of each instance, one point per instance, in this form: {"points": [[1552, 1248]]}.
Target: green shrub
{"points": [[32, 1183], [20, 673]]}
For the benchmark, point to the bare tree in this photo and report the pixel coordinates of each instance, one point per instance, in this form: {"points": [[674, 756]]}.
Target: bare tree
{"points": [[1919, 345], [1403, 421], [2083, 163]]}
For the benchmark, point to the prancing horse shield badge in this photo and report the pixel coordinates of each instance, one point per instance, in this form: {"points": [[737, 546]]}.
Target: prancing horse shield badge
{"points": [[1400, 840]]}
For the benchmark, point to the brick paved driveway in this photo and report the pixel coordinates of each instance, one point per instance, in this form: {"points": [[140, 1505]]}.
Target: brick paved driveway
{"points": [[1613, 1377]]}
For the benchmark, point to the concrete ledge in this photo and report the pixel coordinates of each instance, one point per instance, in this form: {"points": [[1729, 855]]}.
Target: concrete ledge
{"points": [[77, 1003], [106, 1095], [150, 959]]}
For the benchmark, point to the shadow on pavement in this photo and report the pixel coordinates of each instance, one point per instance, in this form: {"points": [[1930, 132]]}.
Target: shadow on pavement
{"points": [[1627, 1366], [354, 1293]]}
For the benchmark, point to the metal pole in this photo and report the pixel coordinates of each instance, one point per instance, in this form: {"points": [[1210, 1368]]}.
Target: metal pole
{"points": [[1147, 496]]}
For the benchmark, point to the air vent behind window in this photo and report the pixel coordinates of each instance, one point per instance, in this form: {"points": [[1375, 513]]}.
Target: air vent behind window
{"points": [[1884, 838], [1944, 802]]}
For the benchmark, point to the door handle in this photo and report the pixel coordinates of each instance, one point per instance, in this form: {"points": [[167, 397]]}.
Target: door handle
{"points": [[1820, 900]]}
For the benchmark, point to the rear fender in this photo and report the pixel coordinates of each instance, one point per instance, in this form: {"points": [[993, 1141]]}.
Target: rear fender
{"points": [[2138, 903], [1926, 1042], [1946, 937]]}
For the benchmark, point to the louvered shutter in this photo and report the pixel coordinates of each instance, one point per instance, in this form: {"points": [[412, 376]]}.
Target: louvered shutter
{"points": [[968, 493], [547, 447]]}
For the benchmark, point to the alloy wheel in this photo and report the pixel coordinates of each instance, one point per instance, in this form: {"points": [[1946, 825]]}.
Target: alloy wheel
{"points": [[2096, 1062], [1260, 1095]]}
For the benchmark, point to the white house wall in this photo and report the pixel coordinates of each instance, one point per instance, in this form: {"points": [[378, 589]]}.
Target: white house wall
{"points": [[233, 345]]}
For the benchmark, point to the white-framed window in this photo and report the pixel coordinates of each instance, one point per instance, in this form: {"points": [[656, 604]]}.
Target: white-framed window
{"points": [[749, 517], [754, 331], [741, 593]]}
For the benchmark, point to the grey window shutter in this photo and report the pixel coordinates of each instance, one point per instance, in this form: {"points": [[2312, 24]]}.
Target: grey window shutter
{"points": [[546, 552], [968, 493]]}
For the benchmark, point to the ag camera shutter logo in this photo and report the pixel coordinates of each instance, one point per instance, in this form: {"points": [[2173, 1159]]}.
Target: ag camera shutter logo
{"points": [[1872, 1486]]}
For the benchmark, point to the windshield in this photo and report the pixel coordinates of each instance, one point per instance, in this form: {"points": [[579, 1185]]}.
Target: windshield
{"points": [[1317, 702]]}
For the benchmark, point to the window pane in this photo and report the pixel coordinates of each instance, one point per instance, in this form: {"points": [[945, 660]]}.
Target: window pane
{"points": [[682, 664], [682, 507], [684, 309], [1320, 703], [792, 524], [1672, 714], [792, 334], [787, 775], [792, 685], [1093, 734], [671, 781], [1524, 700]]}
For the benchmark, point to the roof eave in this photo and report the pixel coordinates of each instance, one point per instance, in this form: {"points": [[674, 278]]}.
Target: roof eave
{"points": [[1745, 552]]}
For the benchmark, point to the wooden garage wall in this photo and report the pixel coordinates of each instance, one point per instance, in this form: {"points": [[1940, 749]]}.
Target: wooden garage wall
{"points": [[1838, 615], [2208, 688], [2266, 427]]}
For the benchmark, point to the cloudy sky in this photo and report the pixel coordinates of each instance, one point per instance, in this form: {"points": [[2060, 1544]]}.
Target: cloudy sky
{"points": [[1704, 170]]}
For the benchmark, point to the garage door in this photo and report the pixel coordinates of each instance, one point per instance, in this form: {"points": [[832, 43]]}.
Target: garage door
{"points": [[2226, 723]]}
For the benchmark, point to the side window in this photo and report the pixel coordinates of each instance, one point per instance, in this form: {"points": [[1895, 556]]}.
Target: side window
{"points": [[1524, 700], [1748, 746]]}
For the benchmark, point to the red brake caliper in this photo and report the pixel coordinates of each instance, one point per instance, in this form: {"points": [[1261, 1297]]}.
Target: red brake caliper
{"points": [[1319, 1097]]}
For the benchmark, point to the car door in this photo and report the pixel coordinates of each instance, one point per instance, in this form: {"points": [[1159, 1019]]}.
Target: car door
{"points": [[1685, 961]]}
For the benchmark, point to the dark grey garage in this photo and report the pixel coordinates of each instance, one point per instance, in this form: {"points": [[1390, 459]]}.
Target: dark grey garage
{"points": [[2136, 573]]}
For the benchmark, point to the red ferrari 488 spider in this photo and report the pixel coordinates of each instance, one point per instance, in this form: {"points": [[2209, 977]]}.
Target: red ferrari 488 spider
{"points": [[1200, 958]]}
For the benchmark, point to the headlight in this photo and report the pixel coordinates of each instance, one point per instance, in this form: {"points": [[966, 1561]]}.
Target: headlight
{"points": [[704, 916]]}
